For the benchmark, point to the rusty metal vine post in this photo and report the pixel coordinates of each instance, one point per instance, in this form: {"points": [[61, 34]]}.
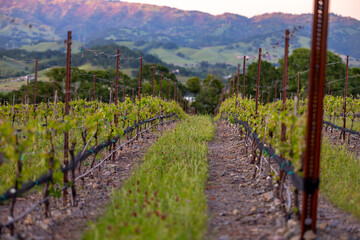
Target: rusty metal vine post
{"points": [[36, 77], [238, 81], [175, 91], [139, 94], [286, 55], [283, 127], [298, 88], [161, 92], [117, 77], [233, 87], [243, 96], [169, 90], [345, 94], [116, 95], [153, 77], [315, 115], [27, 90], [94, 87], [67, 100], [258, 82]]}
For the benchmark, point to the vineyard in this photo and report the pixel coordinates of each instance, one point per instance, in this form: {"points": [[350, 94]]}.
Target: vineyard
{"points": [[269, 120], [87, 164], [32, 142], [279, 153]]}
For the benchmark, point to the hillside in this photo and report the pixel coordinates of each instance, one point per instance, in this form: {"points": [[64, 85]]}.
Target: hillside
{"points": [[119, 21]]}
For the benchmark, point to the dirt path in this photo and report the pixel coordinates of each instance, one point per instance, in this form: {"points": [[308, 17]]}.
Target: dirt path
{"points": [[241, 208], [70, 222]]}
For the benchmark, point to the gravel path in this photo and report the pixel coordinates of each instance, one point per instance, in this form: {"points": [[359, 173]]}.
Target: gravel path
{"points": [[244, 208]]}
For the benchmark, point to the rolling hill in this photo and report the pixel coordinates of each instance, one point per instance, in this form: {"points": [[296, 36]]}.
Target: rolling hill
{"points": [[33, 21]]}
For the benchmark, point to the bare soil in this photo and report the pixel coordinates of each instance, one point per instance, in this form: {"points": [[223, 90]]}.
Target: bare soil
{"points": [[70, 222], [241, 207]]}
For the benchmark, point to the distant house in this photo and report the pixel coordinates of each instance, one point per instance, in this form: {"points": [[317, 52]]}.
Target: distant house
{"points": [[176, 71], [189, 99], [31, 78]]}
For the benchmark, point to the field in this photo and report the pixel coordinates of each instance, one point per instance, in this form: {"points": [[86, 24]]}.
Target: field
{"points": [[338, 158], [11, 84], [172, 191], [106, 153], [230, 54], [55, 46]]}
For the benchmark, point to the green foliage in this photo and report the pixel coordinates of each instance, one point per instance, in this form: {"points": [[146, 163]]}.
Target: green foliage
{"points": [[339, 166], [42, 127], [339, 177], [167, 78], [208, 98], [82, 84], [108, 62], [164, 198], [354, 82], [269, 74], [19, 59], [299, 61], [193, 85], [18, 62], [267, 122]]}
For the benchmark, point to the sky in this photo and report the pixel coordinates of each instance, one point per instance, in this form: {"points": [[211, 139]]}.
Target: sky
{"points": [[250, 8]]}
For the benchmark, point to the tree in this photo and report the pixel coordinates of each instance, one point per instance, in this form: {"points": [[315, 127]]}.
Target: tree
{"points": [[193, 85], [268, 77], [209, 95], [146, 78], [354, 82], [299, 61], [82, 82]]}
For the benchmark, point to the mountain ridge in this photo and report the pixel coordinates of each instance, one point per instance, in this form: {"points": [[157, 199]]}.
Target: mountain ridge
{"points": [[94, 19]]}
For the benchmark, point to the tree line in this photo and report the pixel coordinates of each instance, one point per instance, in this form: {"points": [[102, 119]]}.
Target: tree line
{"points": [[82, 85], [208, 91]]}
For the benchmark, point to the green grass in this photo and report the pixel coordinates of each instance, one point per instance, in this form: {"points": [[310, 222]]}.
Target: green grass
{"points": [[90, 67], [214, 54], [170, 56], [128, 71], [182, 79], [56, 45], [187, 51], [340, 177], [10, 86], [164, 198], [128, 44], [340, 122]]}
